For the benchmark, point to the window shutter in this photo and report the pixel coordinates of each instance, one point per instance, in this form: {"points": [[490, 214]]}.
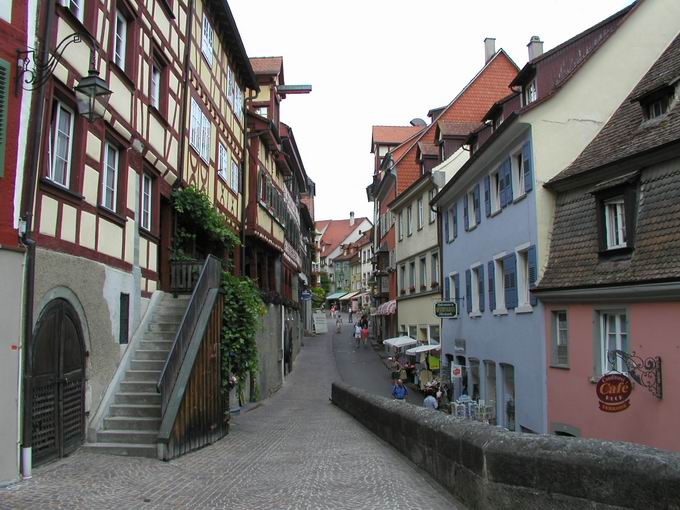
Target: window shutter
{"points": [[492, 286], [480, 284], [478, 210], [447, 289], [510, 272], [506, 182], [531, 259], [465, 212], [4, 98], [487, 197], [526, 163], [468, 292], [447, 237], [456, 289], [455, 220]]}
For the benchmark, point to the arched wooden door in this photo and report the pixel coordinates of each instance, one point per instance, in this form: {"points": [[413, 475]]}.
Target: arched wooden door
{"points": [[58, 389]]}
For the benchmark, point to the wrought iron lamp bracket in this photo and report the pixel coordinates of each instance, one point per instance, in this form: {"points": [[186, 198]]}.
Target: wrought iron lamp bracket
{"points": [[32, 71], [646, 372]]}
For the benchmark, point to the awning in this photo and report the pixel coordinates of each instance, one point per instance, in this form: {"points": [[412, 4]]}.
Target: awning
{"points": [[335, 295], [388, 308], [423, 348], [349, 296], [400, 341]]}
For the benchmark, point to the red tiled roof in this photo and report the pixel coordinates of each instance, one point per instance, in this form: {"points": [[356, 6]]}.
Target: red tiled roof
{"points": [[392, 135], [336, 233], [456, 128], [266, 65], [471, 104], [428, 149]]}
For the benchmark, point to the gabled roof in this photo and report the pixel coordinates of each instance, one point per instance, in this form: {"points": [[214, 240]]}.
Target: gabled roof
{"points": [[427, 149], [456, 128], [392, 135], [268, 65], [336, 233], [488, 86], [627, 133]]}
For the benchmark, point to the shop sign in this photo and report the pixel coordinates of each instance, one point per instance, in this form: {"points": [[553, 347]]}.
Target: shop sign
{"points": [[320, 325], [613, 391], [306, 295], [456, 371], [446, 309]]}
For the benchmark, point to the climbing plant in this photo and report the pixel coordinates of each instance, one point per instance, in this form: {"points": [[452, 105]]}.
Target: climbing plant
{"points": [[199, 223], [243, 308]]}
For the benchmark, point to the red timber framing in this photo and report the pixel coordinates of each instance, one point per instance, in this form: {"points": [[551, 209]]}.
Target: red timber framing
{"points": [[138, 136]]}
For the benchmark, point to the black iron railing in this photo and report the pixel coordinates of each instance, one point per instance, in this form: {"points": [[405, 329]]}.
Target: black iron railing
{"points": [[184, 275], [210, 278]]}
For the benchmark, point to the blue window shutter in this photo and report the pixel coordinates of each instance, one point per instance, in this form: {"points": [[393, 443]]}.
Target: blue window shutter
{"points": [[468, 292], [4, 104], [455, 220], [487, 197], [447, 288], [465, 212], [446, 227], [480, 286], [492, 287], [478, 209], [526, 163], [456, 287], [510, 272], [531, 259], [505, 175]]}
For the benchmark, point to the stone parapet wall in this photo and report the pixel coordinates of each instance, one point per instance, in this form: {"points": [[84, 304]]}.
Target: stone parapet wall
{"points": [[491, 468]]}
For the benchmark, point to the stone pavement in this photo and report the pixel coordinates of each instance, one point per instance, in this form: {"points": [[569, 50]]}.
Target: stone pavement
{"points": [[296, 450]]}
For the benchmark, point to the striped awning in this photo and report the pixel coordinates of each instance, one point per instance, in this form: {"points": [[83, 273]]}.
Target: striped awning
{"points": [[349, 296], [389, 308]]}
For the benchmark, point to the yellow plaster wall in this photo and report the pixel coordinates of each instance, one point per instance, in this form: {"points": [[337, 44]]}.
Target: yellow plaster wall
{"points": [[68, 223], [129, 240], [48, 216], [121, 99], [94, 146], [143, 250], [110, 239], [90, 185], [87, 230], [153, 256]]}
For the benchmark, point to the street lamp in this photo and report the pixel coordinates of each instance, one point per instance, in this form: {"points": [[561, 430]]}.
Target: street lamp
{"points": [[92, 95]]}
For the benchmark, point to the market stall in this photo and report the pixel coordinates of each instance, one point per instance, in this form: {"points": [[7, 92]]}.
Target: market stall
{"points": [[427, 364], [403, 367]]}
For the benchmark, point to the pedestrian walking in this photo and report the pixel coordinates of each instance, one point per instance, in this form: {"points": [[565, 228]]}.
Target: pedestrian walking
{"points": [[357, 334], [430, 401], [351, 312], [399, 391], [364, 329]]}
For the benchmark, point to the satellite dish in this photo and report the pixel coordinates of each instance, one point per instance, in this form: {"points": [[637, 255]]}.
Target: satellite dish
{"points": [[418, 122]]}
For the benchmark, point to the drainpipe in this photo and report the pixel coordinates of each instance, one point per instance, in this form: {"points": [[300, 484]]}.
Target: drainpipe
{"points": [[28, 204], [244, 173]]}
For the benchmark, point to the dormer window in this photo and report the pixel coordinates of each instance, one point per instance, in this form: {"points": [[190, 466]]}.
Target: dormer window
{"points": [[657, 103], [530, 93], [616, 210], [615, 223], [656, 108]]}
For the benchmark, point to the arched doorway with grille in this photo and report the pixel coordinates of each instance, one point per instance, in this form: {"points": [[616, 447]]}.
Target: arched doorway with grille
{"points": [[57, 403]]}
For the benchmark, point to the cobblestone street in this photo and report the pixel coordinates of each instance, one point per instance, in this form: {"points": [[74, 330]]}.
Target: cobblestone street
{"points": [[296, 450]]}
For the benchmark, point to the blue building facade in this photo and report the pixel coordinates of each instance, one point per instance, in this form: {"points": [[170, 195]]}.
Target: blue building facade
{"points": [[489, 254]]}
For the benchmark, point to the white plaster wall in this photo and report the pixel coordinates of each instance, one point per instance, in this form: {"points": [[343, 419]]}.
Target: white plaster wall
{"points": [[453, 163], [419, 240]]}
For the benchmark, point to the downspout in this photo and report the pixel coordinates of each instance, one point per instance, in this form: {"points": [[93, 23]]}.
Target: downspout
{"points": [[28, 204], [244, 174]]}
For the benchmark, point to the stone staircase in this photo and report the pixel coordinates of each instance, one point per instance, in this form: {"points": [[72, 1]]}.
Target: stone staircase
{"points": [[132, 421]]}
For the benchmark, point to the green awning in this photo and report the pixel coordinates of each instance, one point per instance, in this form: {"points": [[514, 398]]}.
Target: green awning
{"points": [[336, 295]]}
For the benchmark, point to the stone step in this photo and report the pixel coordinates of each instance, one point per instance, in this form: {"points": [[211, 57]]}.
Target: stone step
{"points": [[123, 449], [132, 423], [163, 327], [138, 387], [136, 410], [174, 316], [127, 436], [142, 375], [147, 364], [138, 398], [151, 354], [156, 344]]}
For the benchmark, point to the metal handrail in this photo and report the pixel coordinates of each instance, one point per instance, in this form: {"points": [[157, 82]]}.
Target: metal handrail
{"points": [[210, 278]]}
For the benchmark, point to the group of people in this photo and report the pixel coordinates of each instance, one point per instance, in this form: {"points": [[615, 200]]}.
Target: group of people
{"points": [[432, 395], [361, 331]]}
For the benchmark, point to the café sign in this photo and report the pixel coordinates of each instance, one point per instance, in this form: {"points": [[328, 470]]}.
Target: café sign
{"points": [[613, 390]]}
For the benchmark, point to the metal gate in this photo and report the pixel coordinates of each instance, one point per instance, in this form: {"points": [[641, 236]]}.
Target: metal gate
{"points": [[58, 399]]}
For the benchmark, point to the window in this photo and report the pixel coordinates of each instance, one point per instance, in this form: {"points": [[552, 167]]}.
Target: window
{"points": [[530, 92], [495, 192], [615, 223], [474, 282], [413, 332], [497, 285], [120, 40], [522, 278], [61, 144], [262, 110], [207, 41], [560, 352], [471, 208], [657, 107], [613, 336], [517, 175], [147, 201], [423, 273], [77, 7], [235, 180], [434, 334], [222, 162], [490, 387], [230, 87], [200, 131], [402, 278], [110, 177], [435, 269], [432, 214], [158, 85], [409, 221], [421, 214], [401, 225], [412, 275]]}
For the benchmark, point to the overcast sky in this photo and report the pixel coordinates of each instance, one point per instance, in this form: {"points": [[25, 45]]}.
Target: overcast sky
{"points": [[385, 62]]}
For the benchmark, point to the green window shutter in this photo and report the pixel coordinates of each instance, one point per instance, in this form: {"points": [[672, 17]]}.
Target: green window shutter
{"points": [[4, 100]]}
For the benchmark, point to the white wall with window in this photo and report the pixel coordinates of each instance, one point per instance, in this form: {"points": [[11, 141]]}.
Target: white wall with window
{"points": [[120, 39], [156, 82], [61, 144], [207, 38], [560, 339], [110, 176], [409, 221], [421, 213], [613, 335], [200, 129]]}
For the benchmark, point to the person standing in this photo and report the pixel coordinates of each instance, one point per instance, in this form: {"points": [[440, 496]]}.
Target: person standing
{"points": [[399, 391], [430, 401], [364, 329]]}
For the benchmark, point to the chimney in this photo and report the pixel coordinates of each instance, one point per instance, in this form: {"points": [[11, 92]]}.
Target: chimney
{"points": [[489, 48], [535, 47], [351, 218]]}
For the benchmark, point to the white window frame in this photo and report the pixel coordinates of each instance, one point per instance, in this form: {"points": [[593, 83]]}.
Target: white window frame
{"points": [[156, 79], [523, 284], [433, 215], [499, 284], [451, 233], [434, 267], [402, 279], [231, 86], [495, 191], [472, 211], [77, 7], [222, 162], [409, 220], [235, 175], [474, 290], [615, 223], [120, 39], [412, 281], [200, 130], [619, 340], [400, 225], [55, 135], [421, 215], [530, 92], [452, 288], [107, 169], [207, 39], [147, 202], [558, 341], [422, 270], [517, 166]]}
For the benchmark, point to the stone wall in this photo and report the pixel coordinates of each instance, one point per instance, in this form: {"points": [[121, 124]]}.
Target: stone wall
{"points": [[269, 353], [490, 468]]}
